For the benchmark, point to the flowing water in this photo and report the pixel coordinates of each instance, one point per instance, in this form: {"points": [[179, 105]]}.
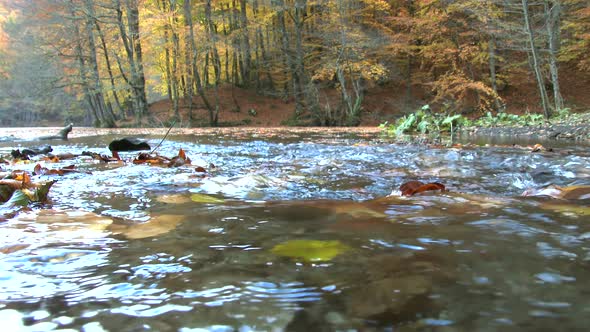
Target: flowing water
{"points": [[124, 247]]}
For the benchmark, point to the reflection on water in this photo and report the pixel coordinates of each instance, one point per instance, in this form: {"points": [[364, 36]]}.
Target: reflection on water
{"points": [[127, 247]]}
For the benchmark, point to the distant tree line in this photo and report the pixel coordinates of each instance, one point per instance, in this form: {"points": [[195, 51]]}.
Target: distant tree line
{"points": [[108, 57]]}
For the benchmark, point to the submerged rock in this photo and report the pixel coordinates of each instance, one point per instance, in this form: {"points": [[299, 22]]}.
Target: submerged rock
{"points": [[395, 290]]}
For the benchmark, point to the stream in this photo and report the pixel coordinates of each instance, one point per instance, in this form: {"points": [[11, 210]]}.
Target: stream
{"points": [[300, 232]]}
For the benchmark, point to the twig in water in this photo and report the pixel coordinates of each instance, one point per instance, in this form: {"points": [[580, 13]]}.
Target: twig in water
{"points": [[163, 138]]}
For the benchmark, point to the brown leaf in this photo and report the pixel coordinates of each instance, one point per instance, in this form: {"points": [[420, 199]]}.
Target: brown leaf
{"points": [[411, 188], [22, 176], [540, 148], [51, 159], [569, 193], [46, 171], [182, 154], [16, 184], [200, 169]]}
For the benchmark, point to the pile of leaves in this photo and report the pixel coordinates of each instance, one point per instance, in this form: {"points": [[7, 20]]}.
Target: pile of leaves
{"points": [[20, 189]]}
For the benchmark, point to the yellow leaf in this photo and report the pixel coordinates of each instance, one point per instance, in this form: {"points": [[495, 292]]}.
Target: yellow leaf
{"points": [[310, 251]]}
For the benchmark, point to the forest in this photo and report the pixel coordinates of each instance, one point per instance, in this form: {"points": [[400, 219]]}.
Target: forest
{"points": [[101, 62]]}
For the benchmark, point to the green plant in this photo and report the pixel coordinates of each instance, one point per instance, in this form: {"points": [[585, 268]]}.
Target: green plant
{"points": [[507, 119], [424, 121]]}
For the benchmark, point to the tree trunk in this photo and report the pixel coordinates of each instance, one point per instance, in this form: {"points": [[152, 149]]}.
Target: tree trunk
{"points": [[535, 57], [110, 72], [82, 72], [553, 24], [247, 57], [492, 63], [189, 41], [132, 43], [105, 119], [285, 49]]}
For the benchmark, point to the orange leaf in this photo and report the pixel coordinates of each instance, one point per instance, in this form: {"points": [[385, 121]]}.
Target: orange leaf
{"points": [[22, 176], [51, 159], [182, 154], [411, 188]]}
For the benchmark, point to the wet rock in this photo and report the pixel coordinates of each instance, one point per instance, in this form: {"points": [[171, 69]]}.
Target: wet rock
{"points": [[26, 153], [129, 144]]}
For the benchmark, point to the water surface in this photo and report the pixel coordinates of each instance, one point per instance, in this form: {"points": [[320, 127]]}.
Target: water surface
{"points": [[122, 247]]}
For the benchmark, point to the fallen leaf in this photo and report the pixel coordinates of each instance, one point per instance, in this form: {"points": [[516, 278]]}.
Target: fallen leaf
{"points": [[569, 192], [411, 188], [206, 199], [173, 199], [310, 251], [39, 170], [157, 225], [540, 148], [18, 198]]}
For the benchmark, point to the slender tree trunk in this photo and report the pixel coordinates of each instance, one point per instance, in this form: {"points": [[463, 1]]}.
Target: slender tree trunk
{"points": [[110, 72], [553, 25], [96, 86], [82, 72], [247, 57], [167, 65], [188, 22], [286, 51], [299, 78], [535, 57], [132, 43], [492, 64], [175, 57]]}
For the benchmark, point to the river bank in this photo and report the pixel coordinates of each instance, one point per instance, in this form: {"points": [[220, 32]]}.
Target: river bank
{"points": [[575, 128]]}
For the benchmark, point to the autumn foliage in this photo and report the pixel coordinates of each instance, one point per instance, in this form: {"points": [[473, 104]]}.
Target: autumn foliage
{"points": [[320, 57]]}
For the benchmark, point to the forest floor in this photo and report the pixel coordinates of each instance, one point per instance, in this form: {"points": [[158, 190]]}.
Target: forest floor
{"points": [[245, 110]]}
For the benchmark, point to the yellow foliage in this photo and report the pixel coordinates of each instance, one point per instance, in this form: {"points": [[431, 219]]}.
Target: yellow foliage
{"points": [[456, 88]]}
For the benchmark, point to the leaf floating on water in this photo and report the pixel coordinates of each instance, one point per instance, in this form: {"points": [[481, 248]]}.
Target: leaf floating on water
{"points": [[569, 193], [18, 198], [173, 199], [182, 154], [576, 192], [540, 148], [310, 251], [39, 170], [39, 194], [411, 188], [206, 199], [157, 225]]}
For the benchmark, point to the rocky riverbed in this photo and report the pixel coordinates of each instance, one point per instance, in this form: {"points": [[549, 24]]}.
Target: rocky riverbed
{"points": [[575, 128]]}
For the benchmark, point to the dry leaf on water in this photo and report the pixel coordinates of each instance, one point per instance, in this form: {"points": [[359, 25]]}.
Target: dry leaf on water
{"points": [[157, 225], [569, 192], [411, 188]]}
